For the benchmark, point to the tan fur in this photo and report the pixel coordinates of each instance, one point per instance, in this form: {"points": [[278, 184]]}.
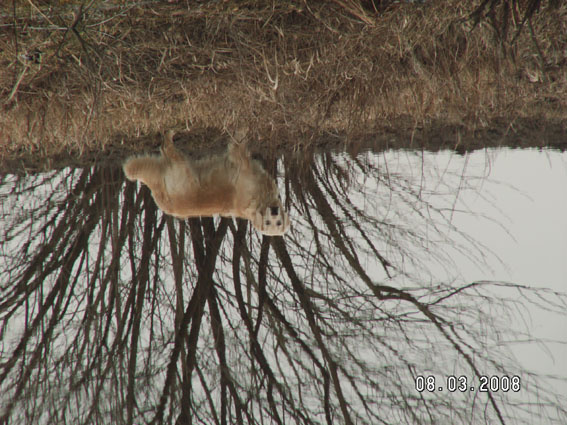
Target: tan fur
{"points": [[231, 184]]}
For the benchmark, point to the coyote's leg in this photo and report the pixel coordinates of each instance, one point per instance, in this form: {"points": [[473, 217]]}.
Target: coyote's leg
{"points": [[168, 149], [239, 155], [181, 172]]}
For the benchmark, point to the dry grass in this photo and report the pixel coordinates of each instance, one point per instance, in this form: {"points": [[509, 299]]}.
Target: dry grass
{"points": [[289, 73]]}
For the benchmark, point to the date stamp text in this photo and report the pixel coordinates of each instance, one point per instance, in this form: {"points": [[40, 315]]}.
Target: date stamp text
{"points": [[454, 383]]}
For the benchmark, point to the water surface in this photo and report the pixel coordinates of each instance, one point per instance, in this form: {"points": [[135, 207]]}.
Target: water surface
{"points": [[398, 265]]}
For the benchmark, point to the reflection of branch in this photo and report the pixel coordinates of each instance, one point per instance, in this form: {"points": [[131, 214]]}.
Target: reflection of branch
{"points": [[385, 263], [262, 266], [308, 308], [177, 248], [96, 296], [256, 348], [226, 379], [321, 259], [382, 292], [209, 395], [326, 213], [277, 317], [206, 260], [397, 294], [58, 292], [140, 281], [126, 229], [66, 266], [435, 320], [48, 258]]}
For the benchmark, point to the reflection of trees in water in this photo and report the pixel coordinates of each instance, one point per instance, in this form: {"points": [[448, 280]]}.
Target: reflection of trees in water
{"points": [[112, 312]]}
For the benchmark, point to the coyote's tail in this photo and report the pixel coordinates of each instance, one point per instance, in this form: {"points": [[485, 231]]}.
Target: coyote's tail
{"points": [[147, 169]]}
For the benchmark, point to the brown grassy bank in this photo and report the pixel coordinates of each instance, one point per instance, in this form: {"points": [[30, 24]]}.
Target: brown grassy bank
{"points": [[291, 73]]}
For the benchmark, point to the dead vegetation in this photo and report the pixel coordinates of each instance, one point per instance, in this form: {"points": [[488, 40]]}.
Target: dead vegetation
{"points": [[84, 78]]}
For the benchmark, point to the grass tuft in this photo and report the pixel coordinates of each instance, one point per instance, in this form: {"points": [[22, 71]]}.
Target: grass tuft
{"points": [[82, 78]]}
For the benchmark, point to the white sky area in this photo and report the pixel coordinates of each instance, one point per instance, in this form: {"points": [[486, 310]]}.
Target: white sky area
{"points": [[522, 197], [537, 254]]}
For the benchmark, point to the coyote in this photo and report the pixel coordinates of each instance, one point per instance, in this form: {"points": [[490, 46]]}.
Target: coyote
{"points": [[231, 184]]}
